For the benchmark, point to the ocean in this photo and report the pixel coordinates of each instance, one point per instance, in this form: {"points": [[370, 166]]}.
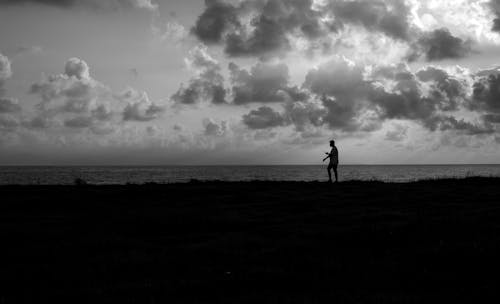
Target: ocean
{"points": [[101, 175]]}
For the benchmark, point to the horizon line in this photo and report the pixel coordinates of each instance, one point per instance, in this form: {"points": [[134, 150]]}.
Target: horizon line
{"points": [[240, 165]]}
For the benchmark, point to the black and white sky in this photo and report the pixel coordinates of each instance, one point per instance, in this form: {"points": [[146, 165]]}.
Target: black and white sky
{"points": [[249, 81]]}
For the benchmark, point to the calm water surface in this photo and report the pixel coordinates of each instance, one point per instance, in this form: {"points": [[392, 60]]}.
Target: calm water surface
{"points": [[174, 174]]}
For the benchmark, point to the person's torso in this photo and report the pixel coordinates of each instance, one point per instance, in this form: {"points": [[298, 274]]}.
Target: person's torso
{"points": [[334, 155]]}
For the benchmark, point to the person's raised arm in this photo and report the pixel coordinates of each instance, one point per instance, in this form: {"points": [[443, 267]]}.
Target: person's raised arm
{"points": [[329, 155]]}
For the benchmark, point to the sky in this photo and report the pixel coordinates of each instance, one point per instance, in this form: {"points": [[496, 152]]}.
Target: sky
{"points": [[248, 82]]}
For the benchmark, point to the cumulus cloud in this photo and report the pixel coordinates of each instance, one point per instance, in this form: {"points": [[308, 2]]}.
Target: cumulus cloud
{"points": [[74, 91], [9, 105], [5, 72], [217, 18], [207, 85], [75, 100], [351, 97], [264, 83], [8, 123], [486, 94], [170, 32], [440, 44], [109, 5], [398, 133], [495, 7], [258, 28], [388, 17], [79, 122], [269, 27], [139, 107], [77, 68], [341, 86], [263, 118], [213, 128]]}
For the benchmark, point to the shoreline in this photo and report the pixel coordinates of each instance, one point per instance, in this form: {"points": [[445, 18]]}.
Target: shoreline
{"points": [[81, 182]]}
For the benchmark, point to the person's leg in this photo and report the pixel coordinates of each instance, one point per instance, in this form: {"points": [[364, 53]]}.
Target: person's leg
{"points": [[336, 174], [329, 173]]}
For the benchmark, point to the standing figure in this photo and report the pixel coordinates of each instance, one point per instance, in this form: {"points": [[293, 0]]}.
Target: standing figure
{"points": [[334, 161]]}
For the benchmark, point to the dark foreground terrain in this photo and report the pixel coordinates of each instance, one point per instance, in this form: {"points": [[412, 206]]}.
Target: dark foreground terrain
{"points": [[258, 242]]}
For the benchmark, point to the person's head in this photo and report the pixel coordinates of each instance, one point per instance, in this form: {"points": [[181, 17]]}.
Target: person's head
{"points": [[332, 143]]}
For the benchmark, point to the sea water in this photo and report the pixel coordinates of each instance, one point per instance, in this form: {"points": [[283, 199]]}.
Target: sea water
{"points": [[177, 174]]}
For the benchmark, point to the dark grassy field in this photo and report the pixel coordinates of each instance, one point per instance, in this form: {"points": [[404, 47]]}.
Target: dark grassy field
{"points": [[257, 242]]}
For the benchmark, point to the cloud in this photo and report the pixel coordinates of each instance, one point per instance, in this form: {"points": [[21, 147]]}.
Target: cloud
{"points": [[170, 31], [75, 100], [264, 83], [263, 118], [495, 7], [79, 122], [486, 94], [448, 91], [341, 86], [207, 85], [73, 91], [8, 123], [5, 72], [350, 97], [139, 107], [217, 18], [28, 50], [388, 17], [212, 128], [108, 5], [438, 45], [9, 105], [77, 68], [305, 113], [269, 28], [258, 28], [399, 133], [39, 122]]}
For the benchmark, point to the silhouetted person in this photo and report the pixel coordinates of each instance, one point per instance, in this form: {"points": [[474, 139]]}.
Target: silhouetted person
{"points": [[334, 161]]}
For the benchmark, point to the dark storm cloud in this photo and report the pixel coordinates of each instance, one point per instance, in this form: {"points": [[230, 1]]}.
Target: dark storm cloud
{"points": [[388, 17], [263, 118], [440, 44], [107, 5]]}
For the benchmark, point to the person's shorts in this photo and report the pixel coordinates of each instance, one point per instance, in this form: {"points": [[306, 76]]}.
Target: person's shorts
{"points": [[333, 165]]}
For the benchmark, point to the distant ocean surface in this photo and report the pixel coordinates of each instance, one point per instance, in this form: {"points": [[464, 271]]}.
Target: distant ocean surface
{"points": [[179, 174]]}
